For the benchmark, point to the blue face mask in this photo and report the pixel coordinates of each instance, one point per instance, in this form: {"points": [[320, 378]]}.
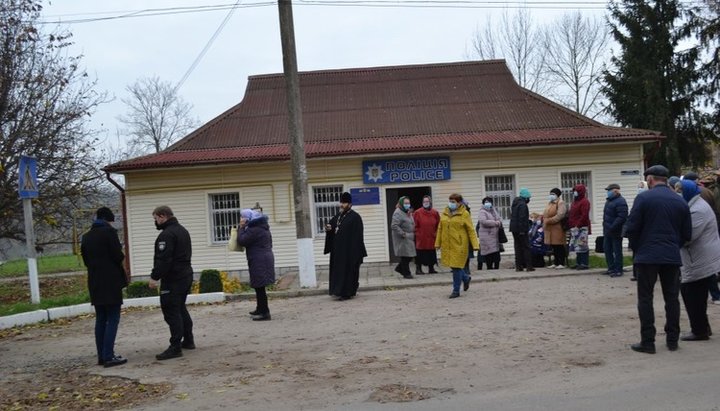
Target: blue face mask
{"points": [[552, 197], [487, 205], [452, 206], [406, 206], [575, 193], [610, 194]]}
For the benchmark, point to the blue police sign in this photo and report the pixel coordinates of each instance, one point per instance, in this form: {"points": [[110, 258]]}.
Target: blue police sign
{"points": [[27, 178], [406, 170], [365, 196]]}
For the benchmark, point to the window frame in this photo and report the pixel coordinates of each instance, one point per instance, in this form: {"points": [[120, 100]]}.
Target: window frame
{"points": [[567, 191], [495, 194], [319, 219], [234, 220]]}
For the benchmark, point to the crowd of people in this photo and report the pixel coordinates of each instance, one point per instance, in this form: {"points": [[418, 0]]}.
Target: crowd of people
{"points": [[673, 231]]}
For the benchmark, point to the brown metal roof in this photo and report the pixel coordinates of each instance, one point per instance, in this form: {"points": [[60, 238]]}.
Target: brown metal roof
{"points": [[382, 110]]}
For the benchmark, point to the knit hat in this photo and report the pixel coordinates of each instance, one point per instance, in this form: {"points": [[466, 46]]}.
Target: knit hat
{"points": [[346, 198], [104, 213], [524, 193], [246, 214], [689, 189]]}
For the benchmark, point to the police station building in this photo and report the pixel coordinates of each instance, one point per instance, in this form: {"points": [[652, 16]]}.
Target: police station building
{"points": [[379, 133]]}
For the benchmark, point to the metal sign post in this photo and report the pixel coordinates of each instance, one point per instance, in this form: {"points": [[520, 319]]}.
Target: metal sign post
{"points": [[28, 189]]}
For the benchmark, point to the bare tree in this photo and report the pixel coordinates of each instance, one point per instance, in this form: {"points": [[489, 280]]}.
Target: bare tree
{"points": [[46, 100], [156, 116], [519, 42], [576, 49]]}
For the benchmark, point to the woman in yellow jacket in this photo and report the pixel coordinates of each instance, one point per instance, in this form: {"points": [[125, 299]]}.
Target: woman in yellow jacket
{"points": [[455, 236]]}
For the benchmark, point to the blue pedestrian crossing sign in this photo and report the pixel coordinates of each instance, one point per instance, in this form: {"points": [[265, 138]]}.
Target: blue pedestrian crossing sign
{"points": [[27, 178]]}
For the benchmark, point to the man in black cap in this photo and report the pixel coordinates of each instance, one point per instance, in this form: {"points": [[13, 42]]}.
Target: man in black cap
{"points": [[102, 254], [614, 217], [658, 225], [344, 241]]}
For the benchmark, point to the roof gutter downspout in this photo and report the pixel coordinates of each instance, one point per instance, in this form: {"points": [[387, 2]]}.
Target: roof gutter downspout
{"points": [[123, 204]]}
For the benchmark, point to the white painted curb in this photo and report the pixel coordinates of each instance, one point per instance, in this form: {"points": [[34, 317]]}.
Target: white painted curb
{"points": [[50, 314], [69, 311], [31, 317]]}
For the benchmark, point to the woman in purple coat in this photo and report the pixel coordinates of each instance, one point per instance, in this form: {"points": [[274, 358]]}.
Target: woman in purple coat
{"points": [[254, 235]]}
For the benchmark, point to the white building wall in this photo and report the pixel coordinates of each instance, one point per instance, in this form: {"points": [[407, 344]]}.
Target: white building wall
{"points": [[187, 191]]}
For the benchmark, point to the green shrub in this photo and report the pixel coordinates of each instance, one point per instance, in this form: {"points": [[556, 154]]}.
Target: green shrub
{"points": [[138, 289], [210, 281]]}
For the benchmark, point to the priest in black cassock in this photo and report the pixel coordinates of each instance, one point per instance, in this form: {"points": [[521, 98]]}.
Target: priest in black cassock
{"points": [[345, 242]]}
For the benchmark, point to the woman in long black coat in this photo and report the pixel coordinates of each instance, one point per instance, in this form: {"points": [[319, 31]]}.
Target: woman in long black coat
{"points": [[103, 257], [254, 235]]}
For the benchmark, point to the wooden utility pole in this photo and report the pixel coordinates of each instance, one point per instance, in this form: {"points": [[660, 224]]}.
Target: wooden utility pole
{"points": [[301, 200]]}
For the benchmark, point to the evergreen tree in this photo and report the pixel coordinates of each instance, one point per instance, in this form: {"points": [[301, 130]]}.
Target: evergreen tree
{"points": [[654, 84], [705, 21]]}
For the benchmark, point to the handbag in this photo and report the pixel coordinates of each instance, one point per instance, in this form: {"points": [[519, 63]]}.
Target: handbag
{"points": [[233, 243], [502, 237], [565, 221]]}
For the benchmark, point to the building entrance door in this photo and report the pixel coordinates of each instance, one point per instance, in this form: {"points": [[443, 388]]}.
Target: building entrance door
{"points": [[392, 195]]}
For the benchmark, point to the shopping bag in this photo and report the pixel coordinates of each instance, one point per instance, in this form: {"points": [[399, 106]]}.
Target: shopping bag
{"points": [[232, 243]]}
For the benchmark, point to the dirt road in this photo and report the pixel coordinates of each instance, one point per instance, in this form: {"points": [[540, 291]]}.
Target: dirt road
{"points": [[556, 336]]}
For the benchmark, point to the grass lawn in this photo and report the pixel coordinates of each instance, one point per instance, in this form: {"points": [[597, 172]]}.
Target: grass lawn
{"points": [[54, 292], [46, 265], [598, 261]]}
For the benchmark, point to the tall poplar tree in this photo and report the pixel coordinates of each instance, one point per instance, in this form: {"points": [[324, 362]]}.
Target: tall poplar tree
{"points": [[654, 83]]}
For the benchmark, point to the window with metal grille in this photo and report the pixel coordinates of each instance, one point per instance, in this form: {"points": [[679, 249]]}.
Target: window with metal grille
{"points": [[502, 190], [224, 215], [325, 202], [569, 180]]}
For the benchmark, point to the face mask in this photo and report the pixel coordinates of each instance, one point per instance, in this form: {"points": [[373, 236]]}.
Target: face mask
{"points": [[552, 197], [452, 206], [575, 193], [487, 205], [406, 206], [426, 205], [610, 194]]}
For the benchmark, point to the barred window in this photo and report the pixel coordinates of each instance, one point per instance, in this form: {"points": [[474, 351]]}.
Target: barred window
{"points": [[325, 202], [569, 180], [224, 214], [502, 190]]}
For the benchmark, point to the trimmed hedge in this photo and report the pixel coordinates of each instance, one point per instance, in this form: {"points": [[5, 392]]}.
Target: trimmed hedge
{"points": [[137, 289], [210, 281]]}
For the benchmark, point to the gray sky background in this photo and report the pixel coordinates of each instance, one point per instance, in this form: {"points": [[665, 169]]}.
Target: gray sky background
{"points": [[119, 51]]}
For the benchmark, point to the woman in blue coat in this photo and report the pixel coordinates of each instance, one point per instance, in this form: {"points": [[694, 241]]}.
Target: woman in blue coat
{"points": [[254, 235]]}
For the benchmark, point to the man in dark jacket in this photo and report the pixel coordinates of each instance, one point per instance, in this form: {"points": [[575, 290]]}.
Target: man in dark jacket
{"points": [[344, 241], [103, 257], [519, 227], [658, 225], [171, 266], [614, 217]]}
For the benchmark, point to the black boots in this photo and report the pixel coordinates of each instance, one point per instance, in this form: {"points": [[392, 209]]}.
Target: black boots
{"points": [[171, 352]]}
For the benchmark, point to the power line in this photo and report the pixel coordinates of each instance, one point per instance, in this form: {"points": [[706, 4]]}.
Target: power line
{"points": [[454, 4], [207, 47]]}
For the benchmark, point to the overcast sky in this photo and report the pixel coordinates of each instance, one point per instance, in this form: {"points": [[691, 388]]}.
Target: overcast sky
{"points": [[118, 51]]}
